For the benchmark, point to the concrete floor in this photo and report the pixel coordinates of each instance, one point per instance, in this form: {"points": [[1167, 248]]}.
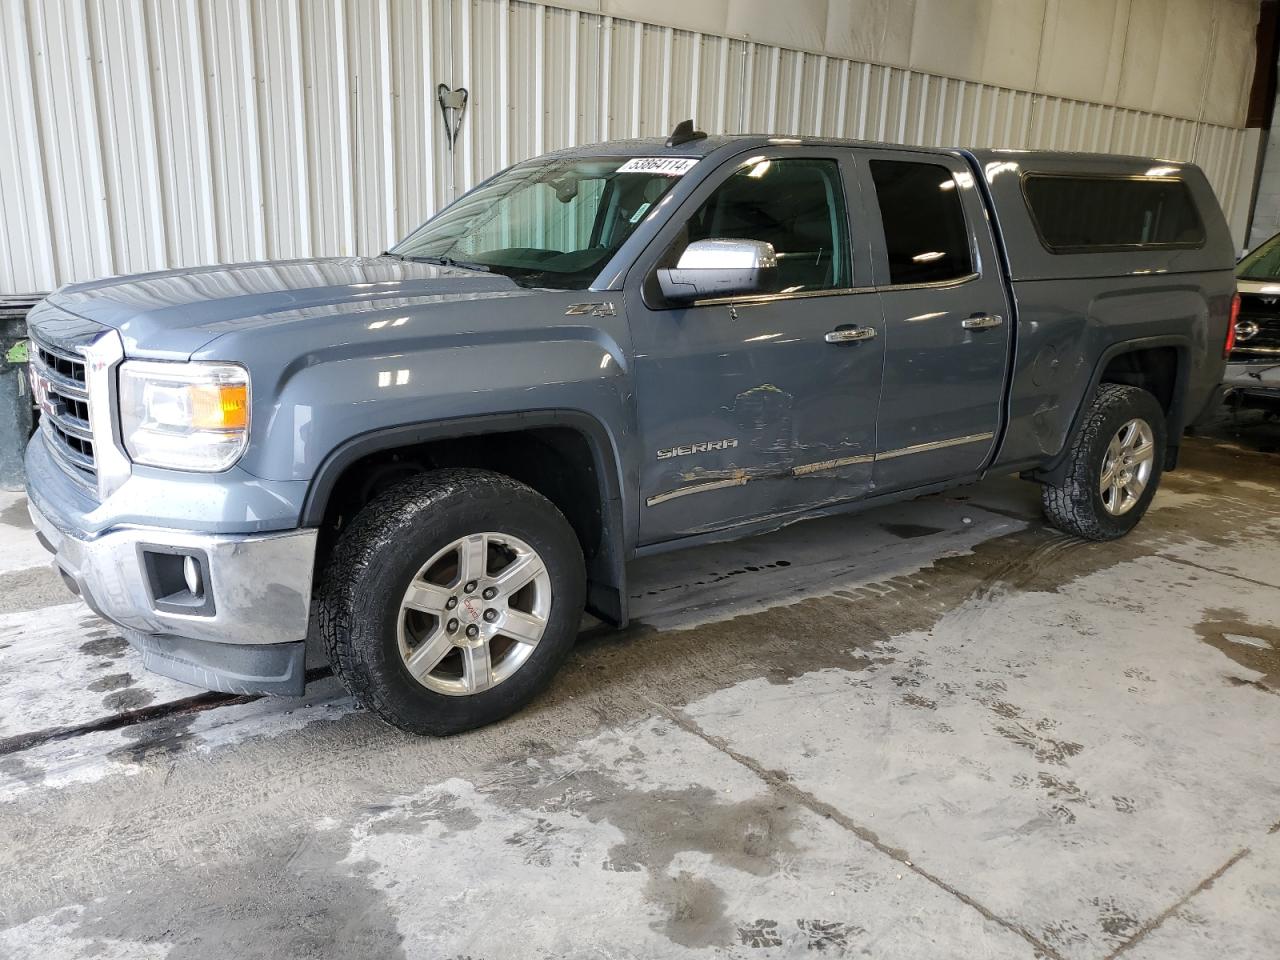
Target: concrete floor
{"points": [[935, 730]]}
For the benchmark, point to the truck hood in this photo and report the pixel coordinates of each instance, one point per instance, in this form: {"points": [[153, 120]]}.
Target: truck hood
{"points": [[171, 315]]}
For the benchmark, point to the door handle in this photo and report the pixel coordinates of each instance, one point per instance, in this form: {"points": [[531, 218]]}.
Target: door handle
{"points": [[982, 321], [850, 334]]}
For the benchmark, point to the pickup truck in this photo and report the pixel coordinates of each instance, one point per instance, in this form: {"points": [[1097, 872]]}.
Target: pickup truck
{"points": [[430, 461], [1252, 378]]}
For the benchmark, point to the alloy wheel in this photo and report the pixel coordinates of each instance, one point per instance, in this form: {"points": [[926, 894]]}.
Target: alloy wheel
{"points": [[474, 613], [1126, 467]]}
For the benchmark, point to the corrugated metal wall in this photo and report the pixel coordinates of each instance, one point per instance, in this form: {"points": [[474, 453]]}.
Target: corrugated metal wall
{"points": [[140, 134]]}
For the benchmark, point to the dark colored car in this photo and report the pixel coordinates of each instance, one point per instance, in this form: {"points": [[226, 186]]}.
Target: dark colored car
{"points": [[1253, 368]]}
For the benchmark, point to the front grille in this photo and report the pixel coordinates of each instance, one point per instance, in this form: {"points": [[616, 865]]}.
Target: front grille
{"points": [[1257, 328], [60, 387]]}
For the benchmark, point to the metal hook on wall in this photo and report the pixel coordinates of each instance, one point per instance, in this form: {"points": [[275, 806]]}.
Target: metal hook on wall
{"points": [[453, 107]]}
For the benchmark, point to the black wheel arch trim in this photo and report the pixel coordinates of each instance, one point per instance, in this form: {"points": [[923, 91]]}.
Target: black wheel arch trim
{"points": [[606, 588]]}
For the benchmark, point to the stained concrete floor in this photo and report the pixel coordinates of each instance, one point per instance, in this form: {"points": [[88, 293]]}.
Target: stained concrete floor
{"points": [[939, 729]]}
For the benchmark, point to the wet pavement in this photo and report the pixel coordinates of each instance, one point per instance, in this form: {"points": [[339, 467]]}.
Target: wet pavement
{"points": [[937, 729]]}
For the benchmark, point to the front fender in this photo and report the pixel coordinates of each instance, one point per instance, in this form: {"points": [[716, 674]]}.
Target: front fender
{"points": [[321, 407], [366, 367]]}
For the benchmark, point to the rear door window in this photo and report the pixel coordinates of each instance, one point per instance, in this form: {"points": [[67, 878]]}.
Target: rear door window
{"points": [[925, 235], [1093, 214]]}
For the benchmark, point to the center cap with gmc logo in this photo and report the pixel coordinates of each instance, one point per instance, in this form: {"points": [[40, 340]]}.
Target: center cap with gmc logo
{"points": [[471, 610]]}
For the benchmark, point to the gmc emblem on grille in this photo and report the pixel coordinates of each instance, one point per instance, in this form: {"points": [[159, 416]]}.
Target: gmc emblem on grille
{"points": [[40, 391]]}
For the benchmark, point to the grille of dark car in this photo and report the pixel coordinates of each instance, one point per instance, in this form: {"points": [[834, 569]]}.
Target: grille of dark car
{"points": [[1263, 313], [59, 383]]}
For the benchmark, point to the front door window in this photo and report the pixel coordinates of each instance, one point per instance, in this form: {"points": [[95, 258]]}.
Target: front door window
{"points": [[797, 205]]}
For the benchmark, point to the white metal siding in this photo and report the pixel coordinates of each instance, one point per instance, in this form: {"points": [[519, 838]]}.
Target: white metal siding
{"points": [[142, 134]]}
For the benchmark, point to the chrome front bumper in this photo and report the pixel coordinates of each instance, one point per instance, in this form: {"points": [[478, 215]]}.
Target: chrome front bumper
{"points": [[1259, 377], [260, 583], [248, 639]]}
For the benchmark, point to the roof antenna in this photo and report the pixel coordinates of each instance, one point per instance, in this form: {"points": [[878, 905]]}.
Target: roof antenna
{"points": [[684, 133]]}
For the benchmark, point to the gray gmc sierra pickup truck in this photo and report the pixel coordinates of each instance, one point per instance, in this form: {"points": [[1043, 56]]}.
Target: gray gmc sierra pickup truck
{"points": [[433, 459]]}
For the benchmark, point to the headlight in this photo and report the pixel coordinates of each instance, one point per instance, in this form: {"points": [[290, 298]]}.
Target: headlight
{"points": [[186, 416]]}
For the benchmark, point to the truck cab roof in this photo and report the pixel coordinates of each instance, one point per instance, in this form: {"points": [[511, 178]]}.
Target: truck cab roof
{"points": [[709, 144]]}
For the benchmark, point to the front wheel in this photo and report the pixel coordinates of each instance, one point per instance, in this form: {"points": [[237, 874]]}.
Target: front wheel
{"points": [[451, 600], [1113, 467]]}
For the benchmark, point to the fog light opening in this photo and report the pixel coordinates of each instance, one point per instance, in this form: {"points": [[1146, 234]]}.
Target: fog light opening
{"points": [[178, 579]]}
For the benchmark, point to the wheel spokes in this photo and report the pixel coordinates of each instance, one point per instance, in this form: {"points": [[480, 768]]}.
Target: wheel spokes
{"points": [[1108, 474], [1126, 436], [516, 575], [427, 655], [477, 668], [522, 627], [427, 597], [473, 558]]}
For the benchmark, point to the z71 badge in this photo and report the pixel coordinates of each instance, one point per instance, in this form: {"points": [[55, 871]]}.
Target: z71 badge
{"points": [[704, 446]]}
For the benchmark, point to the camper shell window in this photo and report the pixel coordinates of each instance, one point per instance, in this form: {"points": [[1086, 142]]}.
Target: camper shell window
{"points": [[1092, 214]]}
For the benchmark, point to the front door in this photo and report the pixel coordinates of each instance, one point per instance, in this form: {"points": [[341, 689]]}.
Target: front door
{"points": [[746, 411], [947, 320]]}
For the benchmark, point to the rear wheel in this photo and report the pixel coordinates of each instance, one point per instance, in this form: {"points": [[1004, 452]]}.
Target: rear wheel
{"points": [[1113, 467], [451, 600]]}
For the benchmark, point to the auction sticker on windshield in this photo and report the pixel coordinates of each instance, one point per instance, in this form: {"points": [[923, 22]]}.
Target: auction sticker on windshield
{"points": [[667, 166]]}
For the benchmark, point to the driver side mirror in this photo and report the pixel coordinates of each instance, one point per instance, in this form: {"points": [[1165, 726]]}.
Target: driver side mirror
{"points": [[719, 268]]}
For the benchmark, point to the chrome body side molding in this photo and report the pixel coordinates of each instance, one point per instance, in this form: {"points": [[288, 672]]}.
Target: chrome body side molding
{"points": [[820, 466], [935, 445]]}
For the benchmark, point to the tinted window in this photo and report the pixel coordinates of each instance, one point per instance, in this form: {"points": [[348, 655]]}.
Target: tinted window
{"points": [[796, 205], [924, 227], [1083, 214], [545, 223]]}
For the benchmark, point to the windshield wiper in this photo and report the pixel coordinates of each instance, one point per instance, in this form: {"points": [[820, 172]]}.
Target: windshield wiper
{"points": [[451, 262]]}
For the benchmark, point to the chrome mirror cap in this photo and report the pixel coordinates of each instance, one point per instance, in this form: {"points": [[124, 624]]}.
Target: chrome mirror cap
{"points": [[719, 268]]}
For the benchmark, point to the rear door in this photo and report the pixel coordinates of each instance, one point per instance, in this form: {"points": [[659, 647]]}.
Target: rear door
{"points": [[947, 321], [746, 408]]}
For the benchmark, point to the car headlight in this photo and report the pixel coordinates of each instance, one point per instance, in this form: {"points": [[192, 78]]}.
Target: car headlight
{"points": [[185, 416]]}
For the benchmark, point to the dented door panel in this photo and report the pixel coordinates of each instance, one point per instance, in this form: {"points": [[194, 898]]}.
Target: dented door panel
{"points": [[746, 418], [745, 409]]}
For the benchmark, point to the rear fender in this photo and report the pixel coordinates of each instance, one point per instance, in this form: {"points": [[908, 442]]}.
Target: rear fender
{"points": [[1055, 470]]}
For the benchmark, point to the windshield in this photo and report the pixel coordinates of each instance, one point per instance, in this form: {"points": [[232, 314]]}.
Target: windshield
{"points": [[545, 223], [1263, 263]]}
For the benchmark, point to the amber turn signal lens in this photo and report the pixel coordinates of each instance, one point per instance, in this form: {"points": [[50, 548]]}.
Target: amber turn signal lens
{"points": [[219, 406]]}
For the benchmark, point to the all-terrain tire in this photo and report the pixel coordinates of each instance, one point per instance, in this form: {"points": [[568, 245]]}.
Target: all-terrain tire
{"points": [[383, 549], [1075, 503]]}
